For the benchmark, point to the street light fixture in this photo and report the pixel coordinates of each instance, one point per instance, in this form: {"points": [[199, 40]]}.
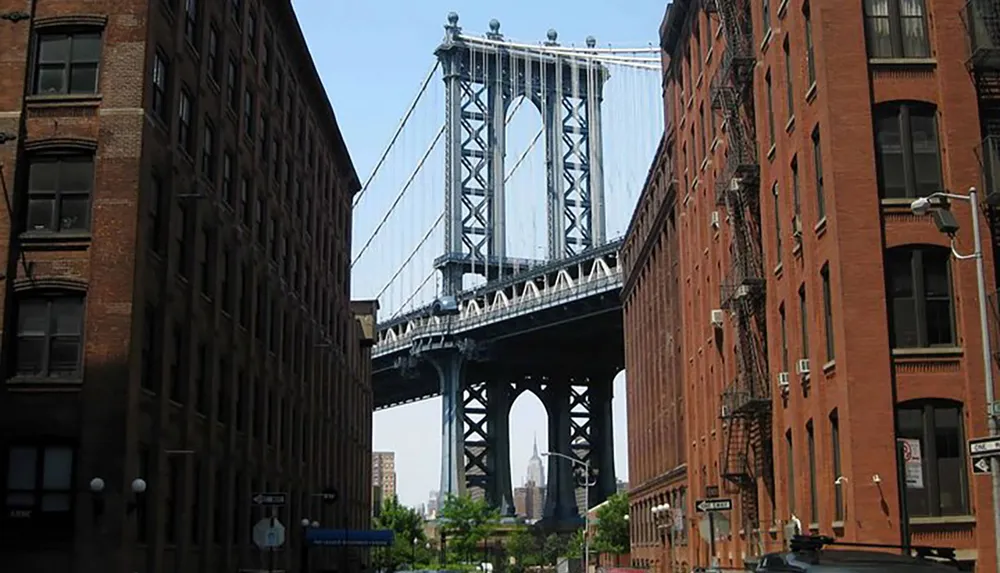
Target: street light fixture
{"points": [[585, 481], [306, 523], [946, 223]]}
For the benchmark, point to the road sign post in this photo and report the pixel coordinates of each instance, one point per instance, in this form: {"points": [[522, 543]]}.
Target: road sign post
{"points": [[711, 506]]}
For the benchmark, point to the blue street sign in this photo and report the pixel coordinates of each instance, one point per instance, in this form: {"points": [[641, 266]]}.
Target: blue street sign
{"points": [[355, 537]]}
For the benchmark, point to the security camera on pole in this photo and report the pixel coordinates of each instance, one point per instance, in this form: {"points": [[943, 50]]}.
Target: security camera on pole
{"points": [[936, 204]]}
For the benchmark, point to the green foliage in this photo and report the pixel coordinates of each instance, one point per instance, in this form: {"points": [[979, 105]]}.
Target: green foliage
{"points": [[468, 523], [408, 525], [574, 546], [612, 530], [526, 548]]}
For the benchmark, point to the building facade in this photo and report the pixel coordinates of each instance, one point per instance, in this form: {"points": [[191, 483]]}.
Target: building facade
{"points": [[384, 473], [178, 330], [824, 325]]}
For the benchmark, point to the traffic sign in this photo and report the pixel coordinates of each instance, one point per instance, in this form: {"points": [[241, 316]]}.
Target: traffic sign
{"points": [[984, 447], [980, 466], [269, 533], [269, 498], [717, 504], [330, 495]]}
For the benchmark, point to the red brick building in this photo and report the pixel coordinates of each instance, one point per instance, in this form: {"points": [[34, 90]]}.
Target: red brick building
{"points": [[819, 318], [176, 242]]}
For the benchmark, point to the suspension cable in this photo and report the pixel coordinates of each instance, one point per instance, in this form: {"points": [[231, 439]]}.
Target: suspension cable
{"points": [[566, 49], [413, 253], [399, 130], [399, 197], [414, 294], [524, 155]]}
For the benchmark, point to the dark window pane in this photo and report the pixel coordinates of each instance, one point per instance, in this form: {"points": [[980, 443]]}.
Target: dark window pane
{"points": [[83, 78], [50, 78], [64, 356], [73, 213], [21, 468], [53, 49], [43, 175], [87, 48]]}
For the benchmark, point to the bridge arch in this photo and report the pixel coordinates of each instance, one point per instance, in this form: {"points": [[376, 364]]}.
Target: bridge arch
{"points": [[525, 180]]}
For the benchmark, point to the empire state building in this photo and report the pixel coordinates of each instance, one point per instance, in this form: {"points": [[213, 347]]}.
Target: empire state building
{"points": [[536, 472]]}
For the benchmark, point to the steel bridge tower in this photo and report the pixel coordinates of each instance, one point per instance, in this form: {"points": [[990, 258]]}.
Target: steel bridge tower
{"points": [[482, 78]]}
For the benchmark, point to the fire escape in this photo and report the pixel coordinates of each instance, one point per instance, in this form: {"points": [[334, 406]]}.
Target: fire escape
{"points": [[746, 401], [982, 21]]}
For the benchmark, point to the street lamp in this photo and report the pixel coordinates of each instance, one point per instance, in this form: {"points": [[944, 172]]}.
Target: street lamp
{"points": [[946, 223], [662, 512], [585, 481], [306, 523]]}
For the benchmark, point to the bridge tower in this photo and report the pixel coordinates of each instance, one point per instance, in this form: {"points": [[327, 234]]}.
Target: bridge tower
{"points": [[482, 78]]}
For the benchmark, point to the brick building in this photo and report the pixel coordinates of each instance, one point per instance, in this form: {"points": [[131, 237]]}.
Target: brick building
{"points": [[176, 292], [384, 474], [819, 318]]}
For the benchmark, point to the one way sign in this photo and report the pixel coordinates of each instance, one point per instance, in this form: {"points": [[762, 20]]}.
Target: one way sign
{"points": [[980, 466], [269, 499], [716, 504], [984, 447]]}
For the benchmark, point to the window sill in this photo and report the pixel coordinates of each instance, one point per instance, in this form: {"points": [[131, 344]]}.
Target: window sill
{"points": [[837, 525], [903, 62], [44, 383], [931, 352], [820, 227], [51, 240], [790, 125], [771, 152], [778, 270], [944, 520], [41, 101], [811, 93], [782, 9], [766, 42], [829, 367]]}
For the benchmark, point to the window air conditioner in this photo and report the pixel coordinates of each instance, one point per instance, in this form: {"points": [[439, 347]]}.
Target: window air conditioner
{"points": [[717, 317], [802, 367], [715, 220], [783, 380]]}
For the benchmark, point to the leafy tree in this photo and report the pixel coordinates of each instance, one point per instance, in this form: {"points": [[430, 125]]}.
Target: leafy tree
{"points": [[526, 548], [468, 523], [407, 525], [574, 546], [612, 530], [555, 546]]}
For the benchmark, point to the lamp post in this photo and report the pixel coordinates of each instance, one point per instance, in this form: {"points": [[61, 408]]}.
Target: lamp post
{"points": [[585, 481], [946, 223], [661, 514], [304, 555]]}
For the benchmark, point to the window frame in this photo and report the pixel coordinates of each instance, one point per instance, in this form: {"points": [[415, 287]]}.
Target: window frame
{"points": [[185, 121], [70, 33], [778, 243], [160, 98], [790, 493], [897, 44], [929, 457], [208, 144], [191, 21], [817, 149], [810, 46], [918, 272], [770, 109], [49, 297], [837, 467], [804, 322], [813, 477], [903, 113], [824, 274], [57, 195], [786, 47], [60, 520]]}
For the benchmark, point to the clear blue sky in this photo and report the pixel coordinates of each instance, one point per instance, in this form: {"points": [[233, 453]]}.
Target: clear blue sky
{"points": [[372, 56]]}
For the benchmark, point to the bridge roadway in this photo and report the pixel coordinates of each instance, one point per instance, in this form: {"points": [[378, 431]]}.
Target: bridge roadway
{"points": [[562, 318]]}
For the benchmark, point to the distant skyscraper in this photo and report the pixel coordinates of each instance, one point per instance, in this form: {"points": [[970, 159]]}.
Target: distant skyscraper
{"points": [[384, 475], [536, 471]]}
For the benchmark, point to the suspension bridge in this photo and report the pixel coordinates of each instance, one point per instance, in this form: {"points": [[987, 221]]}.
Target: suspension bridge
{"points": [[489, 231]]}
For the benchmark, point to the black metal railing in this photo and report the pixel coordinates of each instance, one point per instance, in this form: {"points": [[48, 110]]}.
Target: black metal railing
{"points": [[982, 22]]}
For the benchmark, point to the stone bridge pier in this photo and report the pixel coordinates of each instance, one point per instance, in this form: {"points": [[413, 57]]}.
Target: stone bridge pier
{"points": [[477, 395]]}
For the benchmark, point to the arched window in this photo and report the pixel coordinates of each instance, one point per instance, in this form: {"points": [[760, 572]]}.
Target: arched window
{"points": [[49, 335], [919, 296], [907, 150], [937, 426], [896, 29]]}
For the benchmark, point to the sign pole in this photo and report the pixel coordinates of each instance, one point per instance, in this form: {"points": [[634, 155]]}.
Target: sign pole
{"points": [[711, 538], [904, 504], [270, 551]]}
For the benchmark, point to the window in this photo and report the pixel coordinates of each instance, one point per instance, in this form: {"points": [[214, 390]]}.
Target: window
{"points": [[239, 390], [824, 274], [232, 80], [207, 263], [226, 286], [265, 56], [838, 487], [765, 9], [171, 498], [183, 255], [810, 49], [796, 189], [263, 131], [777, 223], [937, 426], [920, 297], [790, 478], [161, 72], [59, 190], [818, 166], [141, 502], [208, 151], [784, 337], [223, 405], [236, 11], [789, 84], [907, 152], [813, 491], [177, 370], [67, 63], [184, 113], [191, 21], [150, 348], [770, 108], [804, 322], [896, 29], [245, 200], [252, 33], [228, 189], [40, 481], [213, 53], [156, 211], [247, 113], [194, 526], [703, 141], [219, 507], [49, 336]]}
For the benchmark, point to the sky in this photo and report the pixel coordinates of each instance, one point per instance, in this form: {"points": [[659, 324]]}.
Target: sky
{"points": [[372, 57]]}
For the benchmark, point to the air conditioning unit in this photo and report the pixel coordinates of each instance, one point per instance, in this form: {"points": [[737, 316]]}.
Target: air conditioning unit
{"points": [[734, 184], [784, 380], [715, 219], [723, 411], [717, 317], [802, 367], [742, 291]]}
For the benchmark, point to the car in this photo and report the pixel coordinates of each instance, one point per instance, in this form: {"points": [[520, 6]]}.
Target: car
{"points": [[811, 554]]}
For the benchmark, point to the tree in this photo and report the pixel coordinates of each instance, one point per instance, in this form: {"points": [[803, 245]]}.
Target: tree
{"points": [[612, 530], [407, 525], [526, 548], [555, 546], [468, 522]]}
